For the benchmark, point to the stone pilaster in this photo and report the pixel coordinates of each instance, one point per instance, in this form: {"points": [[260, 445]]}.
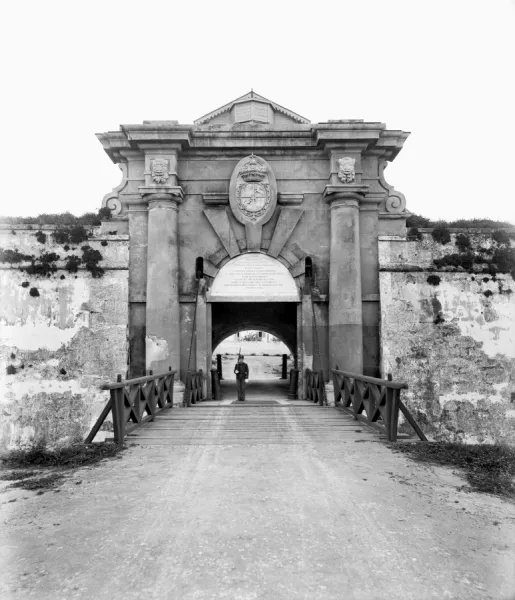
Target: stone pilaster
{"points": [[138, 232], [162, 308], [306, 346], [203, 338], [368, 229], [345, 309]]}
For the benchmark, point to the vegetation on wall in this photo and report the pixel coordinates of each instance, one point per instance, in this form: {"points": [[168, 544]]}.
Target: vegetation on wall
{"points": [[70, 230], [40, 236], [91, 258], [45, 264], [499, 259], [89, 219], [433, 280], [70, 234], [419, 221], [462, 242], [414, 233], [441, 234]]}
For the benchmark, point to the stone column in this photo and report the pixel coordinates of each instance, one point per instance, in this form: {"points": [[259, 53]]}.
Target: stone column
{"points": [[345, 311], [163, 315]]}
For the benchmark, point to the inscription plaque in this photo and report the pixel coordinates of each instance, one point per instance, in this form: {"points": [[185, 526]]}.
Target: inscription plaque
{"points": [[254, 277]]}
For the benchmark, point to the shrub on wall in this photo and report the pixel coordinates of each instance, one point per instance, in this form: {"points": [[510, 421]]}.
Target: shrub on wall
{"points": [[464, 260], [463, 242], [502, 237], [91, 258], [414, 233], [504, 258], [72, 263], [433, 280], [72, 234], [441, 234], [40, 236], [14, 256]]}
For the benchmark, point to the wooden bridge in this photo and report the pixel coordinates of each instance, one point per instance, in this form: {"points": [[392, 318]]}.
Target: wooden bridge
{"points": [[144, 411]]}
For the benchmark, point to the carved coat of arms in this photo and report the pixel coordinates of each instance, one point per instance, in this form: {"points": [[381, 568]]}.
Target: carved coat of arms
{"points": [[253, 195], [159, 170], [346, 172]]}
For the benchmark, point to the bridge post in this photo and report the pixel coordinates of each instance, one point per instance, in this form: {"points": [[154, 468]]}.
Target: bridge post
{"points": [[345, 304], [284, 369]]}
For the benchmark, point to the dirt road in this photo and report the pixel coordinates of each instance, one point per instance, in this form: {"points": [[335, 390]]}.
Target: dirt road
{"points": [[321, 517]]}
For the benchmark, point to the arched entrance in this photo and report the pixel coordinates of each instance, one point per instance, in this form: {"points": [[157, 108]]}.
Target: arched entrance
{"points": [[254, 291]]}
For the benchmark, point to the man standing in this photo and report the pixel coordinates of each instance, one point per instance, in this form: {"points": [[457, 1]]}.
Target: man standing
{"points": [[242, 372]]}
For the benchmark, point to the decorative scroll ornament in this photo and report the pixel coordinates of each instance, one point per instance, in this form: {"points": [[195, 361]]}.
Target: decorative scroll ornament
{"points": [[112, 200], [395, 202], [346, 172], [159, 170]]}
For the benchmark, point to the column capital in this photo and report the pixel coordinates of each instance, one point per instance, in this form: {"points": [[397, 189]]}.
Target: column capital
{"points": [[165, 195], [344, 194]]}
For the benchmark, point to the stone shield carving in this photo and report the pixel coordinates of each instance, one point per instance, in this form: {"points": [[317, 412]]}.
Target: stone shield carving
{"points": [[253, 191], [346, 172]]}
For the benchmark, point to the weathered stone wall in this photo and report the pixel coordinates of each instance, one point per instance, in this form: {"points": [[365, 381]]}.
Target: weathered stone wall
{"points": [[60, 343], [450, 334]]}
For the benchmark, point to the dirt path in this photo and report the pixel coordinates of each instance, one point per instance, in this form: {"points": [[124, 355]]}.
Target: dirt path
{"points": [[314, 519]]}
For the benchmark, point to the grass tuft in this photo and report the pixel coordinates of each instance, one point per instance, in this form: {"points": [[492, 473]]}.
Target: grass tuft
{"points": [[38, 467], [489, 468], [77, 455]]}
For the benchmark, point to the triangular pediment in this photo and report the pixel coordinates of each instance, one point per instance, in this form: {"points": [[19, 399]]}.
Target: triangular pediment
{"points": [[252, 108]]}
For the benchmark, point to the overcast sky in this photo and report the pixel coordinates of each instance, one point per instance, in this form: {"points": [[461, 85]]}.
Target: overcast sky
{"points": [[443, 70]]}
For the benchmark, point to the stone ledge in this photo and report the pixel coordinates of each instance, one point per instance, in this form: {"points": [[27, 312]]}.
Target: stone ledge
{"points": [[289, 199], [215, 199]]}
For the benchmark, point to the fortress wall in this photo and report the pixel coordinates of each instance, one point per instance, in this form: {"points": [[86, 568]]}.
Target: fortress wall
{"points": [[452, 340], [59, 344]]}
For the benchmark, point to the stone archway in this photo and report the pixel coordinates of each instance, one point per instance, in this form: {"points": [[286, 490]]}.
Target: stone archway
{"points": [[254, 291]]}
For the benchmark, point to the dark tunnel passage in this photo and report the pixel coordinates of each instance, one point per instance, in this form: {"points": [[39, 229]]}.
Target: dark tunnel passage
{"points": [[278, 318]]}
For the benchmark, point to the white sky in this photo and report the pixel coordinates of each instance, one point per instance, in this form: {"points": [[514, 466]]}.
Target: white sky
{"points": [[443, 70]]}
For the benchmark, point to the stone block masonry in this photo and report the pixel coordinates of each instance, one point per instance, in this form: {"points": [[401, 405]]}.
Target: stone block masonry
{"points": [[61, 336], [450, 334]]}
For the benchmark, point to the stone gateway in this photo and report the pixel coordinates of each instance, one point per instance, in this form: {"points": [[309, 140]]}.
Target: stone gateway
{"points": [[254, 218], [254, 190]]}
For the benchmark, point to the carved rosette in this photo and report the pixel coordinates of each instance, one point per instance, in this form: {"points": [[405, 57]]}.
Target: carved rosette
{"points": [[159, 170], [346, 169], [253, 192]]}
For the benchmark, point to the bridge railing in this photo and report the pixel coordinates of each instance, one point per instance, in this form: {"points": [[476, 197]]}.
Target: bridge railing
{"points": [[315, 386], [134, 402], [379, 399], [194, 389]]}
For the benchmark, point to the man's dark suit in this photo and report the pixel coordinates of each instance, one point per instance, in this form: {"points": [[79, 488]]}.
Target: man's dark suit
{"points": [[242, 372]]}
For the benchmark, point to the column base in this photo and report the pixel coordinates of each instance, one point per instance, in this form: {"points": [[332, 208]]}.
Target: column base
{"points": [[178, 393]]}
